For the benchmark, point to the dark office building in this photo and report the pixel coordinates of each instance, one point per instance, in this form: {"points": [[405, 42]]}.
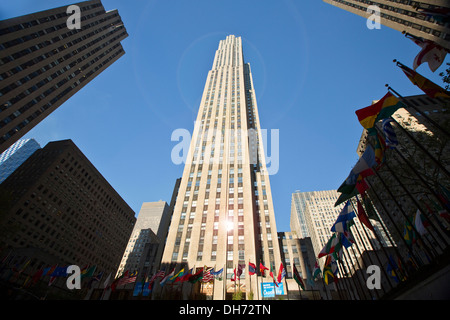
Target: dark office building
{"points": [[58, 209]]}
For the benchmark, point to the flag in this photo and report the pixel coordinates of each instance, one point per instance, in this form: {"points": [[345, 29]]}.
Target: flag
{"points": [[281, 273], [316, 271], [197, 276], [233, 278], [88, 272], [161, 274], [420, 223], [106, 283], [431, 53], [430, 88], [354, 182], [251, 269], [262, 268], [185, 276], [330, 246], [380, 110], [389, 133], [408, 233], [309, 277], [362, 216], [178, 275], [128, 279], [207, 276], [364, 163], [241, 267], [166, 277], [298, 279], [330, 270], [346, 214], [272, 275], [217, 274]]}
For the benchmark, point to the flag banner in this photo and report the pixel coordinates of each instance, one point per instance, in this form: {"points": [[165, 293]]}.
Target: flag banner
{"points": [[240, 269], [389, 133], [380, 110], [178, 275], [271, 273], [137, 289], [262, 268], [298, 279], [408, 233], [207, 276], [233, 278], [166, 277], [187, 276], [420, 223], [346, 214], [431, 53], [330, 246], [427, 86], [316, 272], [362, 216], [217, 274], [197, 276], [354, 182], [281, 273], [251, 269], [330, 270], [146, 289]]}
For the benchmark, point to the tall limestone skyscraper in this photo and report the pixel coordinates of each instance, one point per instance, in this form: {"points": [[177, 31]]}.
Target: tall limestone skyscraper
{"points": [[224, 216]]}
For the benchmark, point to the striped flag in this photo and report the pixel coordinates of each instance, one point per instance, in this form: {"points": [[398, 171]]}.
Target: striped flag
{"points": [[281, 273], [130, 279], [207, 276]]}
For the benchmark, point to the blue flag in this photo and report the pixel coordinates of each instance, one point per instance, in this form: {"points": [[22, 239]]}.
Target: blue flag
{"points": [[346, 214]]}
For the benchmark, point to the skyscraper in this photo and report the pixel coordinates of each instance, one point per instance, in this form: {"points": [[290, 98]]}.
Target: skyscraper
{"points": [[15, 155], [43, 62], [319, 214], [224, 216], [151, 216], [428, 19]]}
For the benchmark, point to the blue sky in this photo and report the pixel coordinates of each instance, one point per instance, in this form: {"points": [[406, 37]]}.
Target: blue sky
{"points": [[313, 65]]}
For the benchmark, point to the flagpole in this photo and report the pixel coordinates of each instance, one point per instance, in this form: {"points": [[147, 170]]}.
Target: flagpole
{"points": [[438, 164], [365, 249], [401, 209], [417, 109], [419, 176], [409, 194], [394, 225], [418, 207]]}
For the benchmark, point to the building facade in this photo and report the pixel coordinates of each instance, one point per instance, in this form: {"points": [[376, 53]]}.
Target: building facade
{"points": [[428, 19], [224, 216], [320, 214], [149, 218], [58, 209], [15, 155], [44, 63]]}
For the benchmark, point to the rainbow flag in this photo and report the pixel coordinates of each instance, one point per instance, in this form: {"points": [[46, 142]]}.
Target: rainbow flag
{"points": [[380, 110]]}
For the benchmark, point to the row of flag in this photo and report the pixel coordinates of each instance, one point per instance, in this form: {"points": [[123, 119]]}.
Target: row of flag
{"points": [[373, 158]]}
